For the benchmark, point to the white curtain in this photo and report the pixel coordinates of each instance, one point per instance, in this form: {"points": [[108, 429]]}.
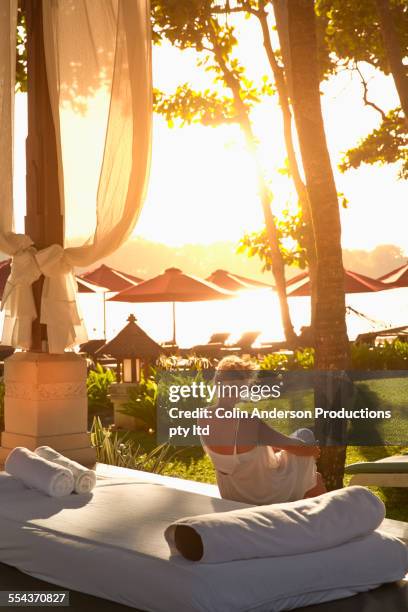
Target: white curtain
{"points": [[8, 24], [17, 303], [8, 15], [98, 55]]}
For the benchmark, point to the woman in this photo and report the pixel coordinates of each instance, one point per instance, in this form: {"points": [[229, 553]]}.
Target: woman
{"points": [[253, 462]]}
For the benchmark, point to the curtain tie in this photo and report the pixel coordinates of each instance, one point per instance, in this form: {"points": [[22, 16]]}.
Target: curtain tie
{"points": [[18, 301], [59, 309]]}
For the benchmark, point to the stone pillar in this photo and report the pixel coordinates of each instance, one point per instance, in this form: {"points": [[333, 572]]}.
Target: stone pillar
{"points": [[46, 404]]}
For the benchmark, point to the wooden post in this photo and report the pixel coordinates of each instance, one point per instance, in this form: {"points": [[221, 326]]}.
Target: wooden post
{"points": [[44, 221], [174, 324], [134, 370], [104, 315]]}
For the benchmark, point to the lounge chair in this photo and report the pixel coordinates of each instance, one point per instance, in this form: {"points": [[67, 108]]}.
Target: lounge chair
{"points": [[267, 348], [243, 345], [5, 352], [389, 334], [92, 346], [213, 346], [247, 339], [387, 472], [170, 348], [219, 338], [217, 347]]}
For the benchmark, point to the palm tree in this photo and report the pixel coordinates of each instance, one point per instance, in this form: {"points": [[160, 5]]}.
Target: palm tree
{"points": [[331, 342], [394, 52], [244, 121]]}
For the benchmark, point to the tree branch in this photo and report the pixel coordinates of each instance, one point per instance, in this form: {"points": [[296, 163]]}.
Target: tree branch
{"points": [[244, 8], [368, 102], [237, 9]]}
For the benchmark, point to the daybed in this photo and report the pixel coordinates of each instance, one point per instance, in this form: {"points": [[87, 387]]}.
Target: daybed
{"points": [[388, 472], [112, 546]]}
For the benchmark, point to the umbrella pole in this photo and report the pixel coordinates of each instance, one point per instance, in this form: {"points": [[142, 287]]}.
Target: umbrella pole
{"points": [[174, 322], [104, 315]]}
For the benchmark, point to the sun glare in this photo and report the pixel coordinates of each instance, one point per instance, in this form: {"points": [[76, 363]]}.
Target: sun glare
{"points": [[203, 186]]}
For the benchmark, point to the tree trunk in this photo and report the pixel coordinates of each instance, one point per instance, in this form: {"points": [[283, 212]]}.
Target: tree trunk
{"points": [[281, 83], [394, 53], [331, 342], [278, 266], [277, 263]]}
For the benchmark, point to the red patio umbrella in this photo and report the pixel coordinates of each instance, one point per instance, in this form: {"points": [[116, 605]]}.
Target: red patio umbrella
{"points": [[172, 286], [87, 287], [297, 278], [234, 282], [112, 279], [397, 277], [353, 283]]}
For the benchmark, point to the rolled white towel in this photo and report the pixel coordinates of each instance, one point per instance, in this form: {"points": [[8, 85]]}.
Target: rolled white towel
{"points": [[38, 473], [84, 479], [292, 528]]}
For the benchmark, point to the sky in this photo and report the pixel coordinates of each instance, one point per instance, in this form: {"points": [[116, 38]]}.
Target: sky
{"points": [[202, 183]]}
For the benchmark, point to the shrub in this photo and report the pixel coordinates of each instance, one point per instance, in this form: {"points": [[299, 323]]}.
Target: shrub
{"points": [[390, 356], [142, 403], [98, 383], [151, 391], [191, 362], [114, 449], [302, 359]]}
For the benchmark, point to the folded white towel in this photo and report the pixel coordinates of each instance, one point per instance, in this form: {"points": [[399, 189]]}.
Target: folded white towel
{"points": [[292, 528], [84, 479], [38, 473]]}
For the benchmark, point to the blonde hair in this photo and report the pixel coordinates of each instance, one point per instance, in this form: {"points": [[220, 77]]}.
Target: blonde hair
{"points": [[233, 362], [234, 367]]}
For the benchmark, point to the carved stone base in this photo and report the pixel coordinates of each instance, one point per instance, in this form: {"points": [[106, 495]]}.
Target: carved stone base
{"points": [[46, 404]]}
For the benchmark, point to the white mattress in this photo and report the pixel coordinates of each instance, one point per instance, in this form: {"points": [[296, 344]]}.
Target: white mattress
{"points": [[111, 545]]}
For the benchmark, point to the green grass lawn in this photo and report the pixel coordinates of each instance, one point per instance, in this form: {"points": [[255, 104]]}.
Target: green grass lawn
{"points": [[375, 395], [395, 499], [191, 463]]}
